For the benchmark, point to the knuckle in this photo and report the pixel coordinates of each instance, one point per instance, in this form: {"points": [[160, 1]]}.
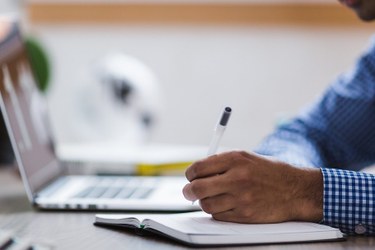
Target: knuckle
{"points": [[197, 189], [199, 163], [239, 154], [207, 206], [193, 171], [245, 200], [234, 155], [237, 159], [241, 175], [218, 217], [246, 156], [246, 213]]}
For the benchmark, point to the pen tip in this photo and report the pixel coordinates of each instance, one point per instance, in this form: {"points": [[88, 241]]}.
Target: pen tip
{"points": [[228, 109]]}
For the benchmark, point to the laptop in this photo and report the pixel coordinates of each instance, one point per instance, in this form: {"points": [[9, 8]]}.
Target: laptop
{"points": [[47, 183]]}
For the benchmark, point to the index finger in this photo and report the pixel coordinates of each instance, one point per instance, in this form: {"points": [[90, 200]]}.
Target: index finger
{"points": [[213, 165]]}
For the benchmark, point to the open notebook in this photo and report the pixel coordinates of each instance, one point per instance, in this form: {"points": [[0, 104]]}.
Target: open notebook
{"points": [[198, 228]]}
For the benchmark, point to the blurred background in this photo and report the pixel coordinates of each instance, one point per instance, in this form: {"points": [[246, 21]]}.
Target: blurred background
{"points": [[264, 58]]}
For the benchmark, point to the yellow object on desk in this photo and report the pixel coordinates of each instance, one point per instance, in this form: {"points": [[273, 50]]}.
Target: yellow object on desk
{"points": [[173, 168]]}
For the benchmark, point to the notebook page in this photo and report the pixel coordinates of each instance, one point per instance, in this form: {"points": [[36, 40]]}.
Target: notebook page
{"points": [[204, 224]]}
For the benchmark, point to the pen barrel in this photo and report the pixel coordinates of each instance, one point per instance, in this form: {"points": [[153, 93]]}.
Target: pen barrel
{"points": [[218, 133]]}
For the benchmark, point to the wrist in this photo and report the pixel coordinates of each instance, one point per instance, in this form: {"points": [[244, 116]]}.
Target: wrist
{"points": [[309, 202]]}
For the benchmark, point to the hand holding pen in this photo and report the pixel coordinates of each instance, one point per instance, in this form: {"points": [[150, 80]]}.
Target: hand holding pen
{"points": [[240, 186]]}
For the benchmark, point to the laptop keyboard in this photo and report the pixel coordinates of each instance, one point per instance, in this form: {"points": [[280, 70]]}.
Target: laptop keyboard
{"points": [[118, 188]]}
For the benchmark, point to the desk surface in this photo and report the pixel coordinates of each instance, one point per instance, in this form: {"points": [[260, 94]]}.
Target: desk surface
{"points": [[75, 230]]}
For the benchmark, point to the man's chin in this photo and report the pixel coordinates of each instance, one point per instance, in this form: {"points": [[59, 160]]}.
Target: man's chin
{"points": [[366, 18], [365, 15]]}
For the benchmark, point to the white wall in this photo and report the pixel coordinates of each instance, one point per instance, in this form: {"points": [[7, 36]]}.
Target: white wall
{"points": [[7, 6], [260, 72]]}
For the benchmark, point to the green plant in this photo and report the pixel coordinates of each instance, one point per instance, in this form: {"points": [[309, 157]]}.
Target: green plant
{"points": [[39, 62]]}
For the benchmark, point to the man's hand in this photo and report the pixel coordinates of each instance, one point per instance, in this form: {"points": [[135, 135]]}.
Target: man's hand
{"points": [[248, 188]]}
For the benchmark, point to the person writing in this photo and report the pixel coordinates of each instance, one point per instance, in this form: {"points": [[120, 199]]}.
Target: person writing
{"points": [[306, 170]]}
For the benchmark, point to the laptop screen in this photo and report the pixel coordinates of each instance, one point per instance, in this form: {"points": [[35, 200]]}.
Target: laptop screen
{"points": [[25, 112]]}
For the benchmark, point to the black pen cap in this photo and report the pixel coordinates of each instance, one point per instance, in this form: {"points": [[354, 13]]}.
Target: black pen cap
{"points": [[225, 116]]}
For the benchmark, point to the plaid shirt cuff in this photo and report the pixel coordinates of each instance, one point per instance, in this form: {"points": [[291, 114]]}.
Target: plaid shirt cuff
{"points": [[348, 201]]}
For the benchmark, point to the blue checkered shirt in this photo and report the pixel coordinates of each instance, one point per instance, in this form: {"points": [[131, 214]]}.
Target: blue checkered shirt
{"points": [[337, 134]]}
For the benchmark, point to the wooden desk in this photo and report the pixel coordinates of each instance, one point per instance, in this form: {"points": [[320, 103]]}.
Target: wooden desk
{"points": [[74, 230]]}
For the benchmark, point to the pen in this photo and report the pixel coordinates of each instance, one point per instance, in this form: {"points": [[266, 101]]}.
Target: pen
{"points": [[218, 132]]}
